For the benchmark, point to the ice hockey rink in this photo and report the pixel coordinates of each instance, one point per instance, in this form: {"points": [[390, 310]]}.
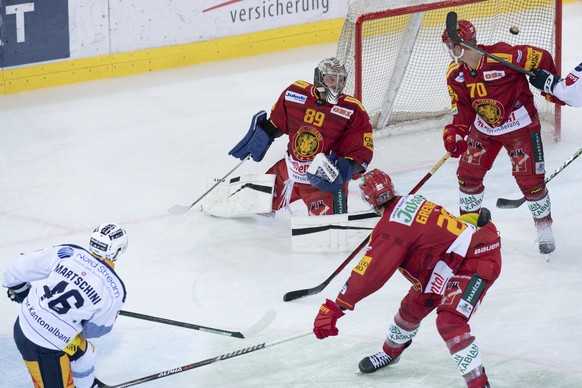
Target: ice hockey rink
{"points": [[127, 149]]}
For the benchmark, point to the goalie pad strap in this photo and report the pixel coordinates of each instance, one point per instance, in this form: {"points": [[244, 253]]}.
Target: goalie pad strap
{"points": [[241, 196], [329, 234]]}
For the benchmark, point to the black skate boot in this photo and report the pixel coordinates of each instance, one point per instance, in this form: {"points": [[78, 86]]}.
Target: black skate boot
{"points": [[97, 383], [379, 360]]}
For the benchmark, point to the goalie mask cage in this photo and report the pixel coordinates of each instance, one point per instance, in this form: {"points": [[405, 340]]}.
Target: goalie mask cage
{"points": [[395, 53]]}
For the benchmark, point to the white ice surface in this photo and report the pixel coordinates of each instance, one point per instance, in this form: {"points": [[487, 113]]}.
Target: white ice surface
{"points": [[127, 149]]}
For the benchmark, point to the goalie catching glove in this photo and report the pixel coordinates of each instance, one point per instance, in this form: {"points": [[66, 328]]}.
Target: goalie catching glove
{"points": [[329, 175], [19, 292], [257, 140], [454, 139], [324, 325]]}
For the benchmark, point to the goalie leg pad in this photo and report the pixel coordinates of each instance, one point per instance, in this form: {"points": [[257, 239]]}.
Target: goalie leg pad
{"points": [[329, 234], [241, 196]]}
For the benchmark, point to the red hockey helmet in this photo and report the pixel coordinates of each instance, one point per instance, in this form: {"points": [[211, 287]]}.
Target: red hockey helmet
{"points": [[465, 30], [377, 188]]}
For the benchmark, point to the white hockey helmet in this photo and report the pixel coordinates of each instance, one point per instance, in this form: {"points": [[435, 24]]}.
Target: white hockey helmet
{"points": [[108, 240], [330, 78]]}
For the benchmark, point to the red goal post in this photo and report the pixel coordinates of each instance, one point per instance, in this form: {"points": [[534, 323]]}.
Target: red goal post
{"points": [[394, 51]]}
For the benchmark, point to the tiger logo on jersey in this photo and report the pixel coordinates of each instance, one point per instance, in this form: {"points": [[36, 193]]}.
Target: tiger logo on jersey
{"points": [[307, 143], [491, 111]]}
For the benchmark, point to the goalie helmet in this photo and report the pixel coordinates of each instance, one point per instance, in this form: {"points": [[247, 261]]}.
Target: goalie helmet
{"points": [[330, 79], [466, 32], [377, 188], [107, 241]]}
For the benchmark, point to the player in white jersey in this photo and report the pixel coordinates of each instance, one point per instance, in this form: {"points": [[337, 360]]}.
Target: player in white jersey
{"points": [[76, 295], [567, 89]]}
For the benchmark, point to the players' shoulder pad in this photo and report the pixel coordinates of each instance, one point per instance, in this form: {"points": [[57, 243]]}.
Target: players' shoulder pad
{"points": [[353, 100], [302, 84], [452, 67]]}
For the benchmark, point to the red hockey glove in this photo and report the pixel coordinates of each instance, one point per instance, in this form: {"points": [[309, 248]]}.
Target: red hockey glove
{"points": [[324, 324], [454, 139]]}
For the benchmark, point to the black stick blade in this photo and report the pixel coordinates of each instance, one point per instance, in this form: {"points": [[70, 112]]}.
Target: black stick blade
{"points": [[452, 27], [504, 203], [298, 294]]}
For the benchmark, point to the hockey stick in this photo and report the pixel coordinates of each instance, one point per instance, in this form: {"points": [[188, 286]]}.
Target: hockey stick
{"points": [[208, 361], [257, 327], [452, 33], [504, 203], [181, 209], [292, 295]]}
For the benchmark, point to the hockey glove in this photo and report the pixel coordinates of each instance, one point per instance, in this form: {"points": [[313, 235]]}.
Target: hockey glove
{"points": [[256, 142], [345, 172], [454, 139], [19, 292], [324, 325], [544, 80]]}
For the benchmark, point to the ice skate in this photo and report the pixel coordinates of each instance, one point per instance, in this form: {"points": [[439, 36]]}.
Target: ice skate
{"points": [[545, 238], [379, 360], [376, 361]]}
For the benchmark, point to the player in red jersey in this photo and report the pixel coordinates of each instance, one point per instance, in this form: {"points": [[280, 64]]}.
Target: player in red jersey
{"points": [[493, 107], [450, 262], [318, 119]]}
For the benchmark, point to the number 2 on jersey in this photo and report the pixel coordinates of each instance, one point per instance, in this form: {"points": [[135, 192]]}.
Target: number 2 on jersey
{"points": [[453, 225]]}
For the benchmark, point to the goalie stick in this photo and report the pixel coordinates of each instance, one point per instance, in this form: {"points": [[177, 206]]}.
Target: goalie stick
{"points": [[292, 295], [257, 327], [452, 33], [208, 361], [181, 209], [504, 203]]}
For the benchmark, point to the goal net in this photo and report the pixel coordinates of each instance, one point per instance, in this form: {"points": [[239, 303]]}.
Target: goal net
{"points": [[394, 51]]}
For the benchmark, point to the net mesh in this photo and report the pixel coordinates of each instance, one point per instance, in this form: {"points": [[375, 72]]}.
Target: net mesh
{"points": [[401, 39]]}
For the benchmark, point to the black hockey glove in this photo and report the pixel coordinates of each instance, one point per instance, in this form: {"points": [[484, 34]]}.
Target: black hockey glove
{"points": [[544, 80], [19, 292]]}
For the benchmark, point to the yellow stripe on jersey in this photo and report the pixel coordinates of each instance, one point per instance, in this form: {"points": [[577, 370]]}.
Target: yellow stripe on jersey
{"points": [[452, 67], [34, 371], [302, 84], [355, 101]]}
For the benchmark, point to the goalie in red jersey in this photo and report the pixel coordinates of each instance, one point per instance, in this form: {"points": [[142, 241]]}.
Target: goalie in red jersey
{"points": [[319, 120], [451, 262], [493, 108]]}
